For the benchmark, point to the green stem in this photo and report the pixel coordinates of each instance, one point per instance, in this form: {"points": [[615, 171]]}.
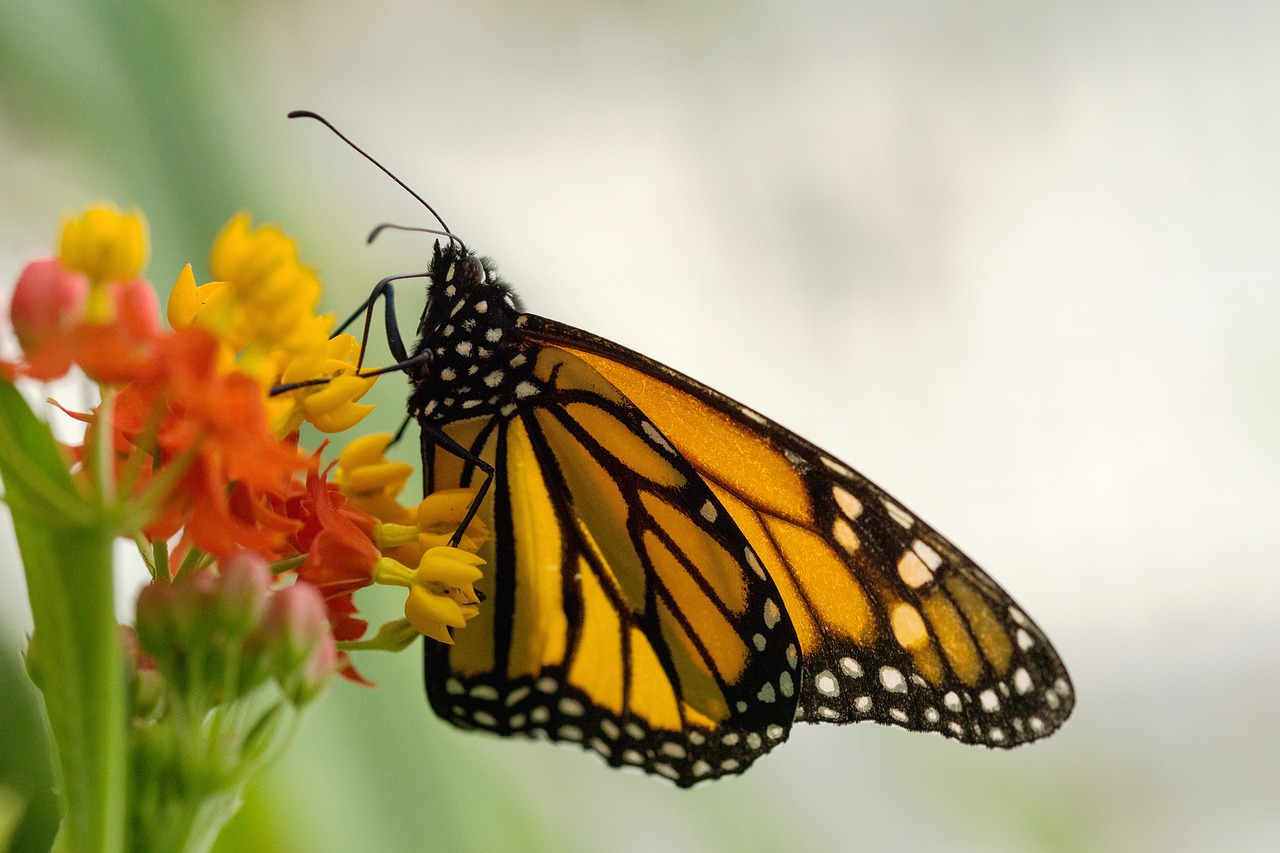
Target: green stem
{"points": [[77, 661]]}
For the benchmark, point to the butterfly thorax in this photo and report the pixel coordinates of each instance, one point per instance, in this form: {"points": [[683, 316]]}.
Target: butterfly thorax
{"points": [[472, 327]]}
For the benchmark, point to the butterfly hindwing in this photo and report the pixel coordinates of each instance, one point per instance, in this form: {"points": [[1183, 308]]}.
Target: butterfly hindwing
{"points": [[895, 624], [624, 609]]}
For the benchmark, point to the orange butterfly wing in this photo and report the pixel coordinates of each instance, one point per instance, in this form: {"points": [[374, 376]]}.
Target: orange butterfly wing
{"points": [[895, 623]]}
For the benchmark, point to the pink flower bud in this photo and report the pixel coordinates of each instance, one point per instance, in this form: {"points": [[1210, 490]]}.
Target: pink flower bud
{"points": [[296, 625], [48, 301], [244, 583]]}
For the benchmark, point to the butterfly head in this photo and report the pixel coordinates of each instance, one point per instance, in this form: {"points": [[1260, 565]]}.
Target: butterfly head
{"points": [[460, 278]]}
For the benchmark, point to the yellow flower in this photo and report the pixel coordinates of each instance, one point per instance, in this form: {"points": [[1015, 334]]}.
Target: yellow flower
{"points": [[440, 513], [441, 592], [372, 482], [104, 244], [330, 406], [247, 255], [274, 292], [262, 309], [212, 305]]}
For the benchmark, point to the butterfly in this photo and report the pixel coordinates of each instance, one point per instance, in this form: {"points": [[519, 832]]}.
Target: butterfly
{"points": [[673, 580]]}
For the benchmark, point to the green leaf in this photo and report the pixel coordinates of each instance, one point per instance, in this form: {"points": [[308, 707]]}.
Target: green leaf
{"points": [[37, 482]]}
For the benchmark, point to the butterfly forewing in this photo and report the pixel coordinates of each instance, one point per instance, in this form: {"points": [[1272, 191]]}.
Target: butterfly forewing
{"points": [[895, 624], [625, 610]]}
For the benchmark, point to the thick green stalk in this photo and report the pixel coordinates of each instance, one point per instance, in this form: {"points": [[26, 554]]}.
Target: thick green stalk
{"points": [[75, 656], [78, 665]]}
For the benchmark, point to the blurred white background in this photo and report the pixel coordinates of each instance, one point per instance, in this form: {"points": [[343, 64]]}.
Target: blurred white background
{"points": [[1016, 263]]}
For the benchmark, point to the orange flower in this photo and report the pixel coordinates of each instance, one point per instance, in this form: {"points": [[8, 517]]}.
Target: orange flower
{"points": [[337, 539], [112, 352], [184, 411]]}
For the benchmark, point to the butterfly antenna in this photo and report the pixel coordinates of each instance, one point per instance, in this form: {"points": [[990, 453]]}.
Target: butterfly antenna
{"points": [[373, 235], [365, 155]]}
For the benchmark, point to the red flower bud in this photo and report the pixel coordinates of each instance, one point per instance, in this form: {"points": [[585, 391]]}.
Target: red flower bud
{"points": [[48, 303]]}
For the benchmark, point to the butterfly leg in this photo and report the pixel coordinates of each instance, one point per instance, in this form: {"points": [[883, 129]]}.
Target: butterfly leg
{"points": [[442, 440], [391, 323], [395, 342]]}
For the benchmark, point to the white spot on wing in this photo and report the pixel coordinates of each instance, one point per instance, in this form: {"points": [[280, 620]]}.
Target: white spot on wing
{"points": [[526, 389], [826, 684], [844, 535], [898, 514], [849, 505], [771, 613], [892, 680], [913, 571], [927, 554], [837, 467], [1022, 681], [485, 691]]}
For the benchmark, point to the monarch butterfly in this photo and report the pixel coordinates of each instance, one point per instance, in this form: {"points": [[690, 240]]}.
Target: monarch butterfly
{"points": [[673, 579]]}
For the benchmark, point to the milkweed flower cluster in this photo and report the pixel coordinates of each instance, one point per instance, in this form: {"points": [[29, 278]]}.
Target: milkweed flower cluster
{"points": [[256, 546]]}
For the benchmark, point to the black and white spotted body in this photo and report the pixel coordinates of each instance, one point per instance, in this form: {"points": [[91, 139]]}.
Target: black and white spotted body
{"points": [[472, 326]]}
